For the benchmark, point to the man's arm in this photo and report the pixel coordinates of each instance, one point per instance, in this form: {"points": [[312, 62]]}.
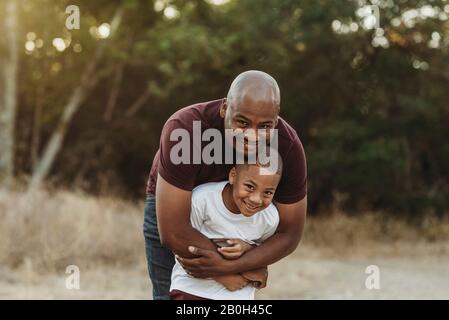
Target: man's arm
{"points": [[173, 207], [279, 245]]}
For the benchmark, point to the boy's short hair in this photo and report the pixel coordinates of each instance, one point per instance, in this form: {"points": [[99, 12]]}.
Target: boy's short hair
{"points": [[271, 167]]}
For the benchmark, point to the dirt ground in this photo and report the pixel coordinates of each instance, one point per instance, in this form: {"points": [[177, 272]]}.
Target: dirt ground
{"points": [[41, 234], [309, 273]]}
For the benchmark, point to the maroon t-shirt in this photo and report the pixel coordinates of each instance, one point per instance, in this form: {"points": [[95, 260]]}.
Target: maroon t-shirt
{"points": [[293, 184]]}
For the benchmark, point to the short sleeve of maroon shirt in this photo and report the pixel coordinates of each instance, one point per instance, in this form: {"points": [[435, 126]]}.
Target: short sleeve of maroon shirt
{"points": [[180, 175], [292, 187]]}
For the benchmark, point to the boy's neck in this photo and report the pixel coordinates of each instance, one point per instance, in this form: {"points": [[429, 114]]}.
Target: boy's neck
{"points": [[228, 199]]}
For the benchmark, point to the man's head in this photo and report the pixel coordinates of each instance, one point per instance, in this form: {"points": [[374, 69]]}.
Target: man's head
{"points": [[254, 185], [253, 102]]}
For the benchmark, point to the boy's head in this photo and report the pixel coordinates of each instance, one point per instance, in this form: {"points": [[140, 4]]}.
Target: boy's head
{"points": [[254, 185]]}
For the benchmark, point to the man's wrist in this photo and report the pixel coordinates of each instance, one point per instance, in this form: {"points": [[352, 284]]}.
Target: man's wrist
{"points": [[232, 266]]}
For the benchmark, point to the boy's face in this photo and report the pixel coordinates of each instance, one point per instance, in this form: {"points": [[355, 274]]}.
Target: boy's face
{"points": [[252, 192]]}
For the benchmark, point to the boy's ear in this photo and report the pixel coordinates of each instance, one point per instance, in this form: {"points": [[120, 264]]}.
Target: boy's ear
{"points": [[232, 175]]}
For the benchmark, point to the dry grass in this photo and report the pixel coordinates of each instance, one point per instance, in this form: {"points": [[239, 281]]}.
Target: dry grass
{"points": [[50, 231], [41, 234], [376, 234]]}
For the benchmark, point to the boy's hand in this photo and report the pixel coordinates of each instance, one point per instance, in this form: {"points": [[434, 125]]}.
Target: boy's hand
{"points": [[232, 282], [236, 250], [258, 277]]}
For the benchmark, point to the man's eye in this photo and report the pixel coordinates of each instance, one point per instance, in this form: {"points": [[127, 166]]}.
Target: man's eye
{"points": [[242, 123], [265, 126]]}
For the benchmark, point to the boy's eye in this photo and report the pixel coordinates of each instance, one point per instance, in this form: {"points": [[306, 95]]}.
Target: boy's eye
{"points": [[250, 187], [269, 193]]}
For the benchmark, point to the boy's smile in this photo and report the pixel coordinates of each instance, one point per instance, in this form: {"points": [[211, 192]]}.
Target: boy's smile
{"points": [[249, 192]]}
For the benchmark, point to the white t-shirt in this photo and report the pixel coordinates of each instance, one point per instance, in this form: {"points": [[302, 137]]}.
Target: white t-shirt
{"points": [[210, 217]]}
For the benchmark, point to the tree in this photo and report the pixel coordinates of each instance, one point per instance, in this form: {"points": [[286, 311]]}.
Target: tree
{"points": [[372, 118], [89, 79], [8, 94]]}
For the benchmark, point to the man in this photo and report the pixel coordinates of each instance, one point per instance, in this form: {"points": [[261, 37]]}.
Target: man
{"points": [[253, 102]]}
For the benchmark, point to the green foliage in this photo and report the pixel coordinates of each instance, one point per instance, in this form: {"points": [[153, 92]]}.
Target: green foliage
{"points": [[374, 127]]}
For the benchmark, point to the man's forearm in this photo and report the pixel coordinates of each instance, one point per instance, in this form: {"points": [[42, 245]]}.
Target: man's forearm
{"points": [[179, 241], [253, 275], [270, 251]]}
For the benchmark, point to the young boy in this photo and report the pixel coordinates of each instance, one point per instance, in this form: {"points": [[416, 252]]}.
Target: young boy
{"points": [[236, 215]]}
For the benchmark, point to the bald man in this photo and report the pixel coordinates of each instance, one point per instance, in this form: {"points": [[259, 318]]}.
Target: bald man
{"points": [[253, 102]]}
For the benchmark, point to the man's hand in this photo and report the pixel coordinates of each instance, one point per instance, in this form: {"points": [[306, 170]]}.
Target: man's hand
{"points": [[232, 282], [257, 277], [236, 250], [208, 263]]}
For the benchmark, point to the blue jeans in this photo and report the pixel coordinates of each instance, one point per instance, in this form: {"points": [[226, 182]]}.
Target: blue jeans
{"points": [[160, 260]]}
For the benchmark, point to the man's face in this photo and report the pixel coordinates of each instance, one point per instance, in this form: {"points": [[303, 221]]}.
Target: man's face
{"points": [[254, 118], [252, 191]]}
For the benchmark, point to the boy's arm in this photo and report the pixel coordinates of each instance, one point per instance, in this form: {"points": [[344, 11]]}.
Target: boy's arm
{"points": [[237, 248], [279, 245], [233, 248], [232, 282], [257, 277]]}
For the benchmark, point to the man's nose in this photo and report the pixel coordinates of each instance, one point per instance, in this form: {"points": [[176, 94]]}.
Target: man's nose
{"points": [[251, 135]]}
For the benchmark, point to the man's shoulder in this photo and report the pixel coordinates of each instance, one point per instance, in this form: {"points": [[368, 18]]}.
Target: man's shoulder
{"points": [[286, 131], [206, 112], [289, 142]]}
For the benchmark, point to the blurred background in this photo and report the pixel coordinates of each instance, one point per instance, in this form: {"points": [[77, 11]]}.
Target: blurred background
{"points": [[364, 83]]}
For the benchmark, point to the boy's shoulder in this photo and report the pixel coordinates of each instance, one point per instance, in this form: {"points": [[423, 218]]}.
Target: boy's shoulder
{"points": [[271, 211]]}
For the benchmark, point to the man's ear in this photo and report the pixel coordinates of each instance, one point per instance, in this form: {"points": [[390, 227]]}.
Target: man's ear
{"points": [[223, 108], [232, 175]]}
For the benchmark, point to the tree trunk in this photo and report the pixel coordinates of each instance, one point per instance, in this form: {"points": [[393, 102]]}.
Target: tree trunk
{"points": [[8, 94], [138, 104], [88, 81], [107, 116], [36, 130]]}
